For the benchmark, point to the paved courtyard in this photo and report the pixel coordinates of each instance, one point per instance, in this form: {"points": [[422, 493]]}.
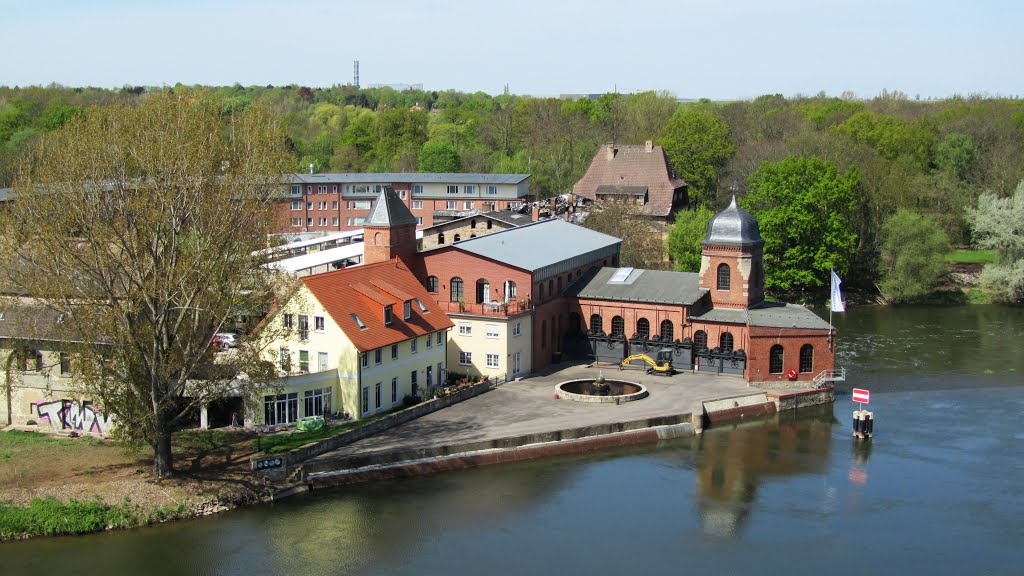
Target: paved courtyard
{"points": [[529, 406]]}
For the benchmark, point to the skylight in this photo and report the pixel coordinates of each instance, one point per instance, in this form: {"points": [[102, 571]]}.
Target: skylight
{"points": [[421, 306], [358, 321], [621, 274]]}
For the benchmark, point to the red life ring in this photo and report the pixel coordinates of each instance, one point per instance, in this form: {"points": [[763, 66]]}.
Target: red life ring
{"points": [[791, 373]]}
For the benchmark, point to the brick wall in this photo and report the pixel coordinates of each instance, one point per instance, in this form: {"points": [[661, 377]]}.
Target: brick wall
{"points": [[746, 284], [791, 339]]}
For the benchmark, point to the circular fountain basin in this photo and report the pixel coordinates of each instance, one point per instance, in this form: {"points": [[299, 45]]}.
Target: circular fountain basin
{"points": [[593, 390]]}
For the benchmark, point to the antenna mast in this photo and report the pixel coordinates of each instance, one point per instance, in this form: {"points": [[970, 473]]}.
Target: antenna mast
{"points": [[355, 73]]}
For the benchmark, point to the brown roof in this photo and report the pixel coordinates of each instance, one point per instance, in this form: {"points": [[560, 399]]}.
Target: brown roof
{"points": [[630, 166], [364, 291]]}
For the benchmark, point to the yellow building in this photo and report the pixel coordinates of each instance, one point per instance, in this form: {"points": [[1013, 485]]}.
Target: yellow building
{"points": [[496, 346]]}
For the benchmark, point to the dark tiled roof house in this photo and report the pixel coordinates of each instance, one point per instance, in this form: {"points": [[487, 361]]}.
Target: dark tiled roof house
{"points": [[633, 173]]}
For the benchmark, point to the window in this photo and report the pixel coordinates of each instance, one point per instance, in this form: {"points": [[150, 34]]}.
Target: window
{"points": [[469, 189], [430, 377], [304, 360], [491, 330], [394, 389], [322, 221], [322, 363], [394, 351], [412, 344], [457, 238], [407, 309], [321, 189], [287, 320], [700, 340], [618, 326], [667, 331], [467, 205], [414, 386], [465, 358], [456, 290], [309, 221], [417, 204], [432, 284], [317, 402], [364, 359], [358, 220], [439, 338], [303, 327], [387, 315], [806, 358], [419, 220], [334, 204], [322, 205], [401, 194], [281, 408], [517, 329], [451, 204], [643, 328], [376, 395], [296, 190], [465, 329], [723, 276], [378, 355], [334, 221], [430, 340], [417, 188], [296, 204], [318, 323], [309, 189], [361, 205], [65, 364], [472, 223], [596, 324], [492, 361], [309, 205], [775, 357], [359, 321], [365, 400], [492, 190], [725, 342], [452, 189], [296, 221], [285, 357]]}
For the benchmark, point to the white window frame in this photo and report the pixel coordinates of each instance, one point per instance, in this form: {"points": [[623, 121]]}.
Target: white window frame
{"points": [[417, 204], [517, 328], [451, 205], [493, 361], [296, 204], [412, 345], [492, 331], [394, 389], [465, 358], [296, 222], [318, 323], [492, 190], [467, 205], [469, 189], [453, 189], [465, 329], [417, 189]]}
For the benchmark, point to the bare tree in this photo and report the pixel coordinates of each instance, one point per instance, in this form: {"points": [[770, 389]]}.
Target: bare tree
{"points": [[138, 223]]}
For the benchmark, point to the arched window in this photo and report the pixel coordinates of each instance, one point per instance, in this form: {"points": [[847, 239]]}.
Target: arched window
{"points": [[596, 324], [666, 331], [457, 238], [775, 359], [551, 288], [456, 292], [472, 235], [432, 284], [618, 326], [700, 340], [378, 239], [725, 342], [643, 328], [723, 276], [483, 291], [440, 238], [472, 223], [807, 358], [510, 290]]}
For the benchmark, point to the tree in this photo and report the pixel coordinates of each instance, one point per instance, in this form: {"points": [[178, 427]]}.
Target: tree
{"points": [[805, 208], [140, 225], [642, 245], [956, 155], [439, 156], [685, 237], [998, 224], [913, 259], [697, 144]]}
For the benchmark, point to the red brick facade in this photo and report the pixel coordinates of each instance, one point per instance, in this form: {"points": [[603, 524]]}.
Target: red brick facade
{"points": [[746, 275]]}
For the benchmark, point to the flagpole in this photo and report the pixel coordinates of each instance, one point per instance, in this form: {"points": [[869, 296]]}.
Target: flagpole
{"points": [[831, 284]]}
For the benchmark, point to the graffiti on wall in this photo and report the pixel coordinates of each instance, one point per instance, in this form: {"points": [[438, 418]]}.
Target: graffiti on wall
{"points": [[77, 416]]}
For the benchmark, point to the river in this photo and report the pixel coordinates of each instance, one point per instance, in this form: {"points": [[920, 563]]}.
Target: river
{"points": [[936, 491]]}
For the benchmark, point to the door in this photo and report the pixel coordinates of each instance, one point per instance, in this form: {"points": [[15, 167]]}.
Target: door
{"points": [[516, 363]]}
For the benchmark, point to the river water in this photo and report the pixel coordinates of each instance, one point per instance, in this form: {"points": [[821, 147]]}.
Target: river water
{"points": [[938, 490]]}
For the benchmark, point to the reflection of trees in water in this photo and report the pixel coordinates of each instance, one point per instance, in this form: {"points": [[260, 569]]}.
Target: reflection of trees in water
{"points": [[733, 460]]}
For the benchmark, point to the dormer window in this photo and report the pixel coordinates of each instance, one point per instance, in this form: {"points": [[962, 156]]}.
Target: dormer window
{"points": [[420, 305], [407, 309], [387, 315]]}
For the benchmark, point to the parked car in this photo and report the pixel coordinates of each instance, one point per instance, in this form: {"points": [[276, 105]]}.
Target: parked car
{"points": [[225, 340]]}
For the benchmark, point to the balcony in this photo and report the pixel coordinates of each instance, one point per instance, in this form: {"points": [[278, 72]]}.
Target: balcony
{"points": [[494, 309]]}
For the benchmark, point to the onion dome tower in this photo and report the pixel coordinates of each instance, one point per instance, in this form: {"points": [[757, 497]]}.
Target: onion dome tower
{"points": [[732, 259]]}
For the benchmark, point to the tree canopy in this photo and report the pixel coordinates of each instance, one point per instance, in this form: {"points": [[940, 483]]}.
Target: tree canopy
{"points": [[685, 236], [138, 222], [913, 256], [998, 224], [697, 144]]}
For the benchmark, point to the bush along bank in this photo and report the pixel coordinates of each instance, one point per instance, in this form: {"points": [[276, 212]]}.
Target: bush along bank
{"points": [[51, 517]]}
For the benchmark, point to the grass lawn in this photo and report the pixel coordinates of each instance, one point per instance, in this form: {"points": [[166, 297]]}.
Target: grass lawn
{"points": [[285, 442], [971, 257]]}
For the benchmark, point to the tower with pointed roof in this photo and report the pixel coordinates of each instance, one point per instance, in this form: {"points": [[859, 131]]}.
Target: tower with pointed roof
{"points": [[389, 230], [732, 259]]}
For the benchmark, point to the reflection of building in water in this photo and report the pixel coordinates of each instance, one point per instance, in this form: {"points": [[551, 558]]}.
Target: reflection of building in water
{"points": [[734, 460]]}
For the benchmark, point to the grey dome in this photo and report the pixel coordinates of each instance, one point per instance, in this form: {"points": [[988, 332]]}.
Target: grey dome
{"points": [[733, 226]]}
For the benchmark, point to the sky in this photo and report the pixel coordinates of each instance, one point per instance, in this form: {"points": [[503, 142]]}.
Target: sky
{"points": [[718, 49]]}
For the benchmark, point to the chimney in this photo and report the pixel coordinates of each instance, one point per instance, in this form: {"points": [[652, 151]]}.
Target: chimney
{"points": [[535, 215], [611, 151], [311, 169], [649, 146]]}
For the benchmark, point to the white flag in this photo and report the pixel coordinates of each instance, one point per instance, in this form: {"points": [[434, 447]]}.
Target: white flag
{"points": [[837, 296]]}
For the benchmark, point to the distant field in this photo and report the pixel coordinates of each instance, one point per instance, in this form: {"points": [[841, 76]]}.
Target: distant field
{"points": [[971, 256]]}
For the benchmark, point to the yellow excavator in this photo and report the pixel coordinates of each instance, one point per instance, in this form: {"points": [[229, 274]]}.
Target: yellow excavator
{"points": [[663, 365]]}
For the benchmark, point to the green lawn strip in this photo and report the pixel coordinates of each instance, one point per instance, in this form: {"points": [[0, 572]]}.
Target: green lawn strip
{"points": [[16, 443], [285, 442], [972, 256], [50, 517]]}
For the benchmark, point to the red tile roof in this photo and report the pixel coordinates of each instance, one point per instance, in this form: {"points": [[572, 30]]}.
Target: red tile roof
{"points": [[632, 166], [364, 291]]}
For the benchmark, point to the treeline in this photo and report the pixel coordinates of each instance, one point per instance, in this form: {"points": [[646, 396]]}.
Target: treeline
{"points": [[796, 162]]}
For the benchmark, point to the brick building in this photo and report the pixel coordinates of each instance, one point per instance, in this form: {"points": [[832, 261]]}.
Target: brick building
{"points": [[341, 201], [638, 175]]}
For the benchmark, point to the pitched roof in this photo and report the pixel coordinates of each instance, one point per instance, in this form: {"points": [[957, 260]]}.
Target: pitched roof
{"points": [[537, 245], [364, 291], [638, 285], [407, 177], [767, 315], [631, 166], [388, 210]]}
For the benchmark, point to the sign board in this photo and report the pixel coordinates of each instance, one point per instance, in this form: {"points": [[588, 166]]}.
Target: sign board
{"points": [[861, 395]]}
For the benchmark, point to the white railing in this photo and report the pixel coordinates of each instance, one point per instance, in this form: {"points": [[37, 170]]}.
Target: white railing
{"points": [[837, 375]]}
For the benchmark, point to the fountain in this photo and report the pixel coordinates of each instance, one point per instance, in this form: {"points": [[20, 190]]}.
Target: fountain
{"points": [[600, 390]]}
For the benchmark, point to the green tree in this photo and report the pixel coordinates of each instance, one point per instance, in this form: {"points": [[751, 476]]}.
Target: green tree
{"points": [[439, 156], [956, 155], [806, 209], [913, 259], [697, 144], [153, 216], [685, 236], [998, 224]]}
